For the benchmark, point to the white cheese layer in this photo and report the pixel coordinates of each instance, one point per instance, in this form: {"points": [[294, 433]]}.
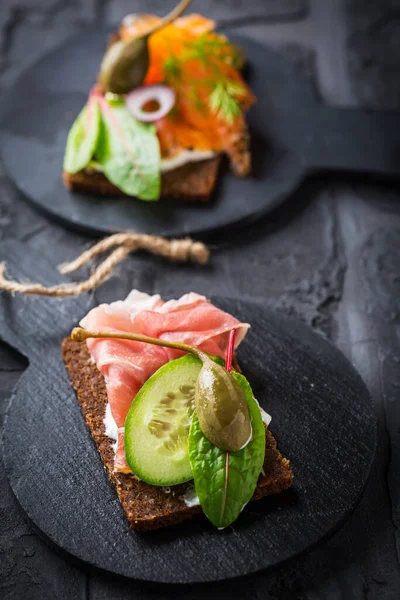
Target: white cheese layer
{"points": [[265, 417], [111, 426], [184, 157], [190, 498], [167, 164]]}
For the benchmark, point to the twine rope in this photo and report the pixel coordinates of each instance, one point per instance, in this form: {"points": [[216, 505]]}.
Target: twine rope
{"points": [[184, 250]]}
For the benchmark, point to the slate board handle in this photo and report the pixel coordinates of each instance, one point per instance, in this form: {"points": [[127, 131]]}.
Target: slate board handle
{"points": [[30, 324], [354, 140], [10, 325]]}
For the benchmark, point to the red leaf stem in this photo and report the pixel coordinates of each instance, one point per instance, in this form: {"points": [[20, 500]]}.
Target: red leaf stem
{"points": [[229, 350]]}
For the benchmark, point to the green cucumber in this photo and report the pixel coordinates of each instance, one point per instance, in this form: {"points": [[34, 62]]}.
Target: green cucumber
{"points": [[157, 425]]}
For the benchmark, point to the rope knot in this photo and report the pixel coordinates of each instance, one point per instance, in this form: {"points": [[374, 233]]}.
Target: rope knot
{"points": [[183, 250]]}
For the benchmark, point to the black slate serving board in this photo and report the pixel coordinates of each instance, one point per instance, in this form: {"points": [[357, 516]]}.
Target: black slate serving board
{"points": [[322, 418], [293, 136]]}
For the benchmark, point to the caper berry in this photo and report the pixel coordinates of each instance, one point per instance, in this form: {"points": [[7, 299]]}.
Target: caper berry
{"points": [[222, 408], [124, 66]]}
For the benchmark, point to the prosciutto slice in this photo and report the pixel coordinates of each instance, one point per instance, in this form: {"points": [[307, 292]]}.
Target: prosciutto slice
{"points": [[126, 365]]}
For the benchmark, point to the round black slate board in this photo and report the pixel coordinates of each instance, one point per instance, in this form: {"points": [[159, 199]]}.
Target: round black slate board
{"points": [[322, 418], [291, 135], [42, 106]]}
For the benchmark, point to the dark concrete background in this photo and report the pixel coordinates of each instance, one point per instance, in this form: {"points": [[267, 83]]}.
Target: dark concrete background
{"points": [[331, 256]]}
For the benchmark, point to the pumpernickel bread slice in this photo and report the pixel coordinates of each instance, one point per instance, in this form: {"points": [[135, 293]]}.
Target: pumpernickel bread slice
{"points": [[193, 182], [146, 506]]}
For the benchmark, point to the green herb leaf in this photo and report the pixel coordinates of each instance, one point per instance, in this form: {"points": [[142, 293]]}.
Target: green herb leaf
{"points": [[224, 481], [223, 100], [129, 151], [82, 138], [207, 47], [172, 69], [210, 51]]}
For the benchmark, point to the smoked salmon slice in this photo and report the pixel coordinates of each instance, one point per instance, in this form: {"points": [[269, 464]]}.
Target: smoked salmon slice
{"points": [[204, 70], [127, 365]]}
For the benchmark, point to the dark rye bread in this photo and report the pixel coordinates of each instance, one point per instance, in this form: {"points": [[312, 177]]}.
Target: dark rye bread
{"points": [[146, 506], [193, 182]]}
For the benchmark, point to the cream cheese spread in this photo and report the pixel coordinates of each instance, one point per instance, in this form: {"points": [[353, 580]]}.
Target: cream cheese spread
{"points": [[190, 498], [166, 164], [111, 427]]}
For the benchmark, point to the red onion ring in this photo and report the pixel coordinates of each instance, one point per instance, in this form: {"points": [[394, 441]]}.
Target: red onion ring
{"points": [[135, 100]]}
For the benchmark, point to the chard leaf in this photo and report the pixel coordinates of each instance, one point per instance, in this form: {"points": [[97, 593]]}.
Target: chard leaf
{"points": [[128, 151], [82, 138], [225, 481]]}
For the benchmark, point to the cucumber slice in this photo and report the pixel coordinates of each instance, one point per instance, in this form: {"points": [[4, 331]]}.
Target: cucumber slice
{"points": [[157, 425]]}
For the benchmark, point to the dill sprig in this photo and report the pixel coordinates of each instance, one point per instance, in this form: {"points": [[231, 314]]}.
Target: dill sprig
{"points": [[173, 68], [224, 101], [205, 48], [224, 94]]}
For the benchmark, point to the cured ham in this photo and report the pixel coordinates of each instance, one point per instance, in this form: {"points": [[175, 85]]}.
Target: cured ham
{"points": [[126, 365]]}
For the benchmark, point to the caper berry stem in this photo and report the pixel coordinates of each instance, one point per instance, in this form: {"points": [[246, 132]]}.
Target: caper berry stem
{"points": [[78, 334], [171, 16]]}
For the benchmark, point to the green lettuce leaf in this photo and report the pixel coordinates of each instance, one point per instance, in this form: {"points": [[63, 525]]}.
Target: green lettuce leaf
{"points": [[128, 151], [82, 138], [225, 481]]}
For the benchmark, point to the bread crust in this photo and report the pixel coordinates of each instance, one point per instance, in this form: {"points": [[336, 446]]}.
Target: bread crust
{"points": [[192, 182], [146, 506]]}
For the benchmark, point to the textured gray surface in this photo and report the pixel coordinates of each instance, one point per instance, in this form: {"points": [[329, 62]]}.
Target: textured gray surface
{"points": [[374, 50], [331, 256], [223, 12]]}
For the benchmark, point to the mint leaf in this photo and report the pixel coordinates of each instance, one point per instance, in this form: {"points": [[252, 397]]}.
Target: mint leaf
{"points": [[225, 481], [82, 138], [128, 151]]}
